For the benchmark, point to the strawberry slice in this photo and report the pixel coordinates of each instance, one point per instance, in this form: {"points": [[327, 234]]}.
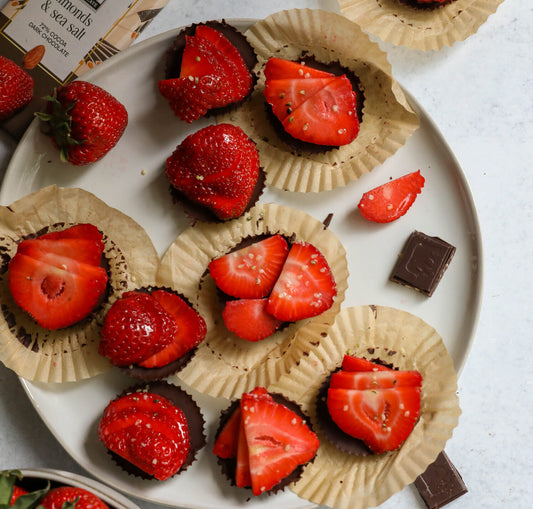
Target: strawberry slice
{"points": [[135, 328], [82, 250], [392, 200], [375, 379], [277, 68], [249, 320], [148, 431], [57, 277], [252, 271], [191, 329], [305, 287], [54, 296], [382, 418], [352, 363], [226, 442], [243, 478], [278, 441], [313, 106]]}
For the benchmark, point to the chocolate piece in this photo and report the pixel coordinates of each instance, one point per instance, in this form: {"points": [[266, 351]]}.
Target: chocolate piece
{"points": [[425, 5], [422, 262], [440, 483]]}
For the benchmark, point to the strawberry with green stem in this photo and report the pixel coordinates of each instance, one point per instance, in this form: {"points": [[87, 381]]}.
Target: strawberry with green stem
{"points": [[84, 122]]}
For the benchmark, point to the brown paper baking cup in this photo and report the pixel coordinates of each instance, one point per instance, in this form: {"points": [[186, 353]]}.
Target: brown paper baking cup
{"points": [[423, 29], [388, 119], [68, 354], [224, 365], [345, 481]]}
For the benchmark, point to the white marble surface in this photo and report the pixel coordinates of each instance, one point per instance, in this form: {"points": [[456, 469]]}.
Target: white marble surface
{"points": [[479, 94]]}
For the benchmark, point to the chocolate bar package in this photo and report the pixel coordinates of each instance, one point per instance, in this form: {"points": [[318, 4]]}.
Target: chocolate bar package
{"points": [[56, 41]]}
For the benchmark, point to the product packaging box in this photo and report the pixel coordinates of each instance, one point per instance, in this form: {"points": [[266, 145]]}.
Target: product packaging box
{"points": [[57, 41]]}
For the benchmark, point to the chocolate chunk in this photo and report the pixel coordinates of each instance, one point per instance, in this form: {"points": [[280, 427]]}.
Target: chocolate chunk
{"points": [[422, 262], [440, 483]]}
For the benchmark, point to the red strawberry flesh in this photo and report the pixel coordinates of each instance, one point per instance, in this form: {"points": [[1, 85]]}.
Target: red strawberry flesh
{"points": [[62, 497], [305, 287], [249, 320], [16, 88], [250, 272], [388, 202]]}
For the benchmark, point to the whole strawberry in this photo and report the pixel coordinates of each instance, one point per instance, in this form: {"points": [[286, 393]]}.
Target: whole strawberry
{"points": [[67, 497], [16, 87], [84, 121]]}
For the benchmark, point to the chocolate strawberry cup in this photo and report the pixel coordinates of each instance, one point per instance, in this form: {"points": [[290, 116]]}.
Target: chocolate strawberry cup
{"points": [[130, 260], [420, 25], [344, 480], [153, 431], [225, 365], [387, 118]]}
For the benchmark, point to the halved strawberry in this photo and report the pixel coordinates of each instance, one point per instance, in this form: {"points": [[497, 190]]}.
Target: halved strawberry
{"points": [[353, 363], [213, 74], [226, 442], [191, 329], [57, 277], [375, 379], [305, 287], [278, 441], [53, 295], [252, 271], [313, 106], [392, 200], [243, 478], [382, 418], [148, 431], [135, 328], [249, 320]]}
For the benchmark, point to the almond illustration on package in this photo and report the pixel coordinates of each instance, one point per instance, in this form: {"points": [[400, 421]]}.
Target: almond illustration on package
{"points": [[66, 257]]}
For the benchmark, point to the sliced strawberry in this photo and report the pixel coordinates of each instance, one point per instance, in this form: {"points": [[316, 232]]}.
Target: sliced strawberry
{"points": [[382, 418], [78, 231], [227, 439], [375, 379], [279, 68], [83, 250], [54, 296], [392, 200], [249, 320], [278, 441], [252, 271], [191, 329], [155, 441], [213, 74], [57, 277], [305, 287], [352, 363], [243, 478], [313, 106], [135, 328]]}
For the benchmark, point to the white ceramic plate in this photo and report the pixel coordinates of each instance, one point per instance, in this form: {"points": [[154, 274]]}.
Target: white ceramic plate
{"points": [[131, 178]]}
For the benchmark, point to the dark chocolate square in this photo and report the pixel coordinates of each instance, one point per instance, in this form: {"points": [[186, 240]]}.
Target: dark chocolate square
{"points": [[440, 483], [422, 262]]}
